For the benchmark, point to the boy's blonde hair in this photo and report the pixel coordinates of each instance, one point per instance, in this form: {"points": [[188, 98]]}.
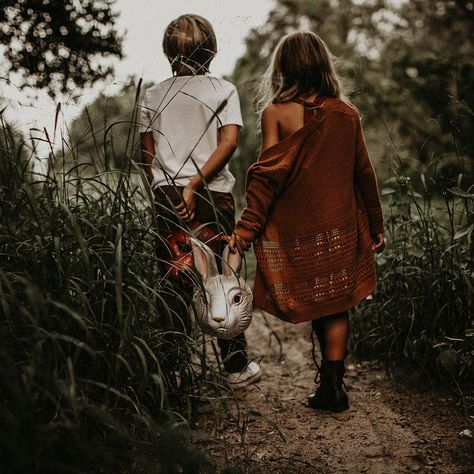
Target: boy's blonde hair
{"points": [[301, 65], [190, 44]]}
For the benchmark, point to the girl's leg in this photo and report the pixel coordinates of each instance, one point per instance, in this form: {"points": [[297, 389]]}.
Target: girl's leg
{"points": [[336, 333], [332, 332]]}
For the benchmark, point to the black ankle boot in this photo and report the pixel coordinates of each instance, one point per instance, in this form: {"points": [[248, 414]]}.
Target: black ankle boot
{"points": [[330, 394]]}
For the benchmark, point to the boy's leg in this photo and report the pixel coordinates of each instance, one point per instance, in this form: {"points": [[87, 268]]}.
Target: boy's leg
{"points": [[220, 207], [234, 353], [175, 299]]}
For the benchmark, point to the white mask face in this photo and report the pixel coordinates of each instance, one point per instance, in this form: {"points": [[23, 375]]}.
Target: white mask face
{"points": [[223, 305]]}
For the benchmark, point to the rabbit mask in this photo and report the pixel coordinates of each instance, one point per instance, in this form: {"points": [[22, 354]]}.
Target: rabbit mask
{"points": [[223, 303]]}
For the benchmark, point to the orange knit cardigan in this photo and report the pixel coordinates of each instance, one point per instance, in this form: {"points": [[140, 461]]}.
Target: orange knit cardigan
{"points": [[312, 205]]}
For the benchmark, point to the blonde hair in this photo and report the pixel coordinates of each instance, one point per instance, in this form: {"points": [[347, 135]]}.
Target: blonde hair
{"points": [[190, 44], [301, 65]]}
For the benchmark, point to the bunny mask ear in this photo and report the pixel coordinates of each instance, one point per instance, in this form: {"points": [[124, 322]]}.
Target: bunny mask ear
{"points": [[204, 259], [231, 262]]}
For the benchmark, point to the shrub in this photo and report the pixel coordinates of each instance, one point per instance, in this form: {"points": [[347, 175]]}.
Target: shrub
{"points": [[94, 373], [422, 314]]}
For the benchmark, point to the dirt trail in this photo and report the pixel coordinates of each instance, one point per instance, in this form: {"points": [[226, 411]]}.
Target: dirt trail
{"points": [[384, 431]]}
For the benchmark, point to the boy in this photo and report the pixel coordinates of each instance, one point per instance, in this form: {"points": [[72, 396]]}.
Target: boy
{"points": [[189, 125]]}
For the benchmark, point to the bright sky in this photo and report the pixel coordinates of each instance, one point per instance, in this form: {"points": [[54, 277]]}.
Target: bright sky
{"points": [[145, 22]]}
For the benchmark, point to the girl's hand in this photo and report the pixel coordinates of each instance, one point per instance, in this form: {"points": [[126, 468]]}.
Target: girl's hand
{"points": [[187, 207], [378, 243], [238, 244]]}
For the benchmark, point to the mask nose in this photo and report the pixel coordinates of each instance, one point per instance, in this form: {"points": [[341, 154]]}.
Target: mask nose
{"points": [[218, 319]]}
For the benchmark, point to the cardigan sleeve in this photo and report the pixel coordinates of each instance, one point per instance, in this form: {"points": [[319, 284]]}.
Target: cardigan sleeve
{"points": [[265, 180], [366, 182]]}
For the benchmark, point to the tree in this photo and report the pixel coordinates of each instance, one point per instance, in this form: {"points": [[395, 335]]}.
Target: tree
{"points": [[57, 44], [104, 135], [427, 63], [410, 62]]}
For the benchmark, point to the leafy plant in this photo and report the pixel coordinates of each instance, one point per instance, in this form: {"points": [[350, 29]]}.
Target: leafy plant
{"points": [[96, 372], [422, 314]]}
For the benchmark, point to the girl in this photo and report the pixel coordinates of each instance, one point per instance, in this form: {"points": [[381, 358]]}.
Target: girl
{"points": [[313, 208], [189, 126]]}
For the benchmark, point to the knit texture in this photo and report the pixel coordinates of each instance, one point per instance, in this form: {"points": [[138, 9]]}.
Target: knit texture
{"points": [[312, 205]]}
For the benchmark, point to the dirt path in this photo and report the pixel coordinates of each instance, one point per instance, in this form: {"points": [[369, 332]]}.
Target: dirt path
{"points": [[384, 431]]}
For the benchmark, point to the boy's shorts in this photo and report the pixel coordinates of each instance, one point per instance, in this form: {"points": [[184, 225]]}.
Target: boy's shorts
{"points": [[214, 208]]}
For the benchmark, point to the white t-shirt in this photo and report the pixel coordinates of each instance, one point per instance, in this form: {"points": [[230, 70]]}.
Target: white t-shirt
{"points": [[184, 113]]}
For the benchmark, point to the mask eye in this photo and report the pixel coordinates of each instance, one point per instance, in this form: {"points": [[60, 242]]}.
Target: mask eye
{"points": [[237, 298]]}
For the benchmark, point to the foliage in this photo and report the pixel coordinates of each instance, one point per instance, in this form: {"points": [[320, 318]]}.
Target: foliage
{"points": [[57, 44], [95, 370], [426, 59], [422, 313], [415, 62], [101, 132]]}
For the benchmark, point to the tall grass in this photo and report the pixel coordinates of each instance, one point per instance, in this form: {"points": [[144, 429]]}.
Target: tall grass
{"points": [[95, 371], [422, 316]]}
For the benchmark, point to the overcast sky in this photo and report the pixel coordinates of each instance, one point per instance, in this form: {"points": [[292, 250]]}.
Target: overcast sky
{"points": [[145, 22]]}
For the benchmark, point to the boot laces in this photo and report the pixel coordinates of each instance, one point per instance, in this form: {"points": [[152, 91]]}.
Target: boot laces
{"points": [[317, 378]]}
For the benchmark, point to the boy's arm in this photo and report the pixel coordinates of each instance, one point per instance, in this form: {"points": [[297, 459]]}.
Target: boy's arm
{"points": [[148, 153], [227, 144]]}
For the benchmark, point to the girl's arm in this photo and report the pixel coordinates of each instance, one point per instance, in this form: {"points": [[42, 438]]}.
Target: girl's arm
{"points": [[148, 153], [228, 139], [265, 179], [270, 136], [270, 132]]}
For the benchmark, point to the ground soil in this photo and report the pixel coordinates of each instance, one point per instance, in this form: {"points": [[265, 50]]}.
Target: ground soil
{"points": [[388, 428]]}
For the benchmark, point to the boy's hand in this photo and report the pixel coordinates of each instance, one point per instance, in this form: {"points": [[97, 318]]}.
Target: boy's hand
{"points": [[187, 207], [238, 244], [378, 243]]}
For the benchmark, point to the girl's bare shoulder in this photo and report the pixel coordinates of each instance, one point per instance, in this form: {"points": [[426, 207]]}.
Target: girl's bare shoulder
{"points": [[278, 110], [270, 110], [270, 114]]}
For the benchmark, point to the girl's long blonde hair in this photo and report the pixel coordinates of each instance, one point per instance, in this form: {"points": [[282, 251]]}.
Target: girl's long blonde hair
{"points": [[301, 65]]}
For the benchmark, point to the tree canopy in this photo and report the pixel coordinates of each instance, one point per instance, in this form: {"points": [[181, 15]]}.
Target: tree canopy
{"points": [[59, 45], [410, 63]]}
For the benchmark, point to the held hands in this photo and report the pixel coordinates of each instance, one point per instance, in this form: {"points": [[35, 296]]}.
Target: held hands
{"points": [[378, 243], [187, 207], [238, 244]]}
